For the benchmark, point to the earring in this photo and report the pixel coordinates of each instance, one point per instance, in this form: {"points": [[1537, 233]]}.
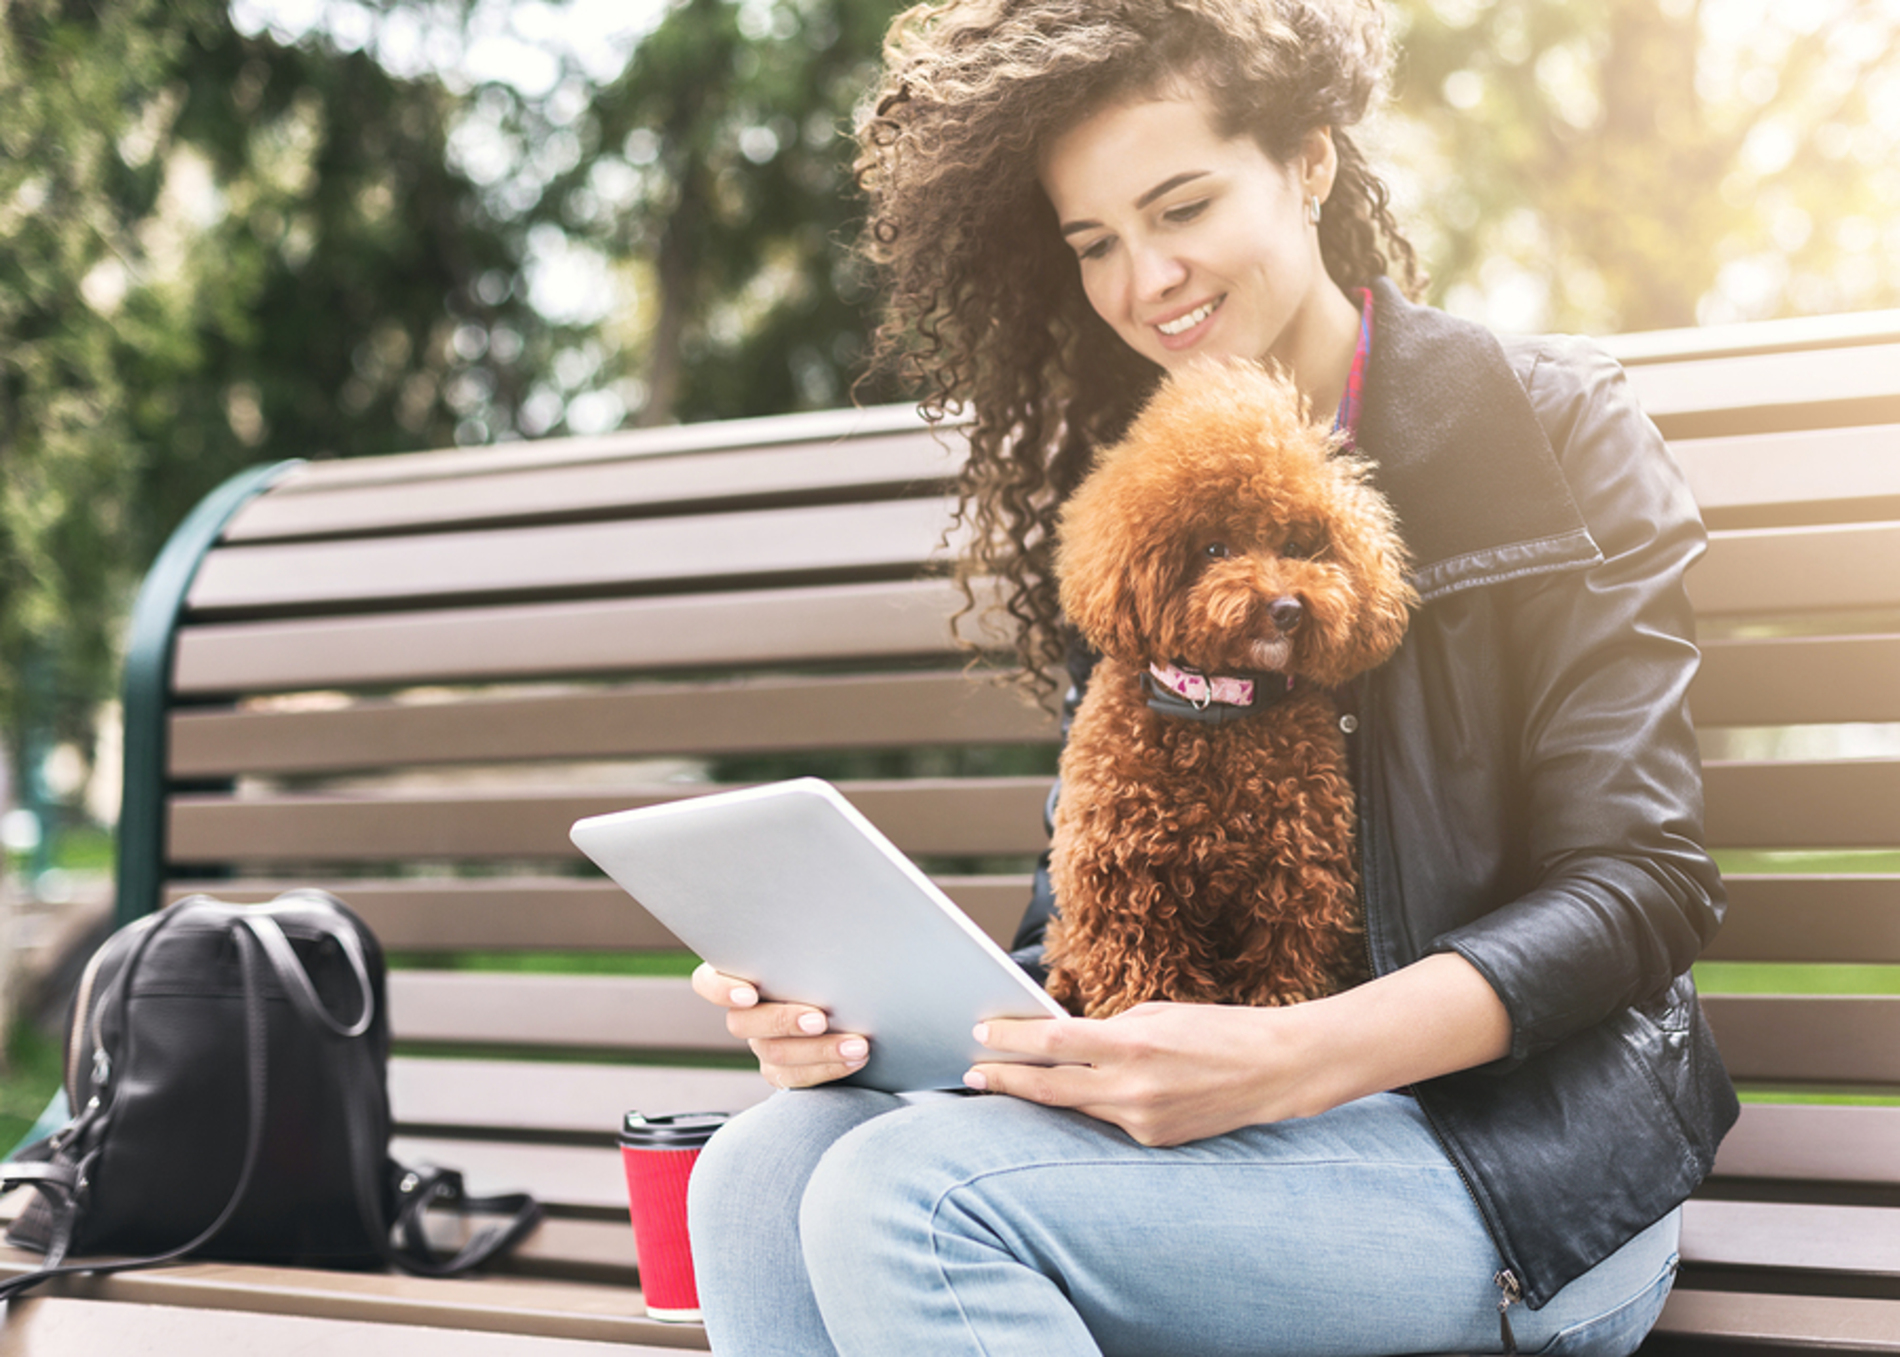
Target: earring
{"points": [[1312, 209]]}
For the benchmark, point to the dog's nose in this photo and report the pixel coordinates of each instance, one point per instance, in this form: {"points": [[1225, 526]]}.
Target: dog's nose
{"points": [[1286, 614]]}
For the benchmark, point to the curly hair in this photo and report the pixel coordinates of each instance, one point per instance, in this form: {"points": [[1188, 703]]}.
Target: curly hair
{"points": [[984, 303]]}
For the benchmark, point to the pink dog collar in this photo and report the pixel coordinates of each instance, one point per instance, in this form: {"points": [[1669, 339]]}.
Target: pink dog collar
{"points": [[1202, 690]]}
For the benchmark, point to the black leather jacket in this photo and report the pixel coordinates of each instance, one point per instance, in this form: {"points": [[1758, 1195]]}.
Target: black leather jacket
{"points": [[1529, 787]]}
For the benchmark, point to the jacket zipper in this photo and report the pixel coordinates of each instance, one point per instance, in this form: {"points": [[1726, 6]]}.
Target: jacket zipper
{"points": [[1511, 1293], [1510, 1290]]}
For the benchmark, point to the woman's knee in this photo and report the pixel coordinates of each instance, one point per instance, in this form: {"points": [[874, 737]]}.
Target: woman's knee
{"points": [[765, 1154], [899, 1183]]}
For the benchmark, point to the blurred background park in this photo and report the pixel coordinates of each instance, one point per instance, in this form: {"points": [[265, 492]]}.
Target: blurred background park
{"points": [[239, 230]]}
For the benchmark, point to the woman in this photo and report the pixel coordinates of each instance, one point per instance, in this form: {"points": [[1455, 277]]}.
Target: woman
{"points": [[1484, 1147]]}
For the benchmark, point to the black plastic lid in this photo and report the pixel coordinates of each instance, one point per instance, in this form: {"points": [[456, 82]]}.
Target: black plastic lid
{"points": [[679, 1131]]}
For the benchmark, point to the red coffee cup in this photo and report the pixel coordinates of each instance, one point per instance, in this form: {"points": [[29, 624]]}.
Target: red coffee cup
{"points": [[658, 1154]]}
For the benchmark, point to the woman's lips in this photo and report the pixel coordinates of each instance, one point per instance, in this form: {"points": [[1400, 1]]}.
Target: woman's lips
{"points": [[1185, 329]]}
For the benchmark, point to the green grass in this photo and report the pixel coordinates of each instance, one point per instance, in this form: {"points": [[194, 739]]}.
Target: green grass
{"points": [[550, 963], [1842, 861], [1762, 977], [31, 1076]]}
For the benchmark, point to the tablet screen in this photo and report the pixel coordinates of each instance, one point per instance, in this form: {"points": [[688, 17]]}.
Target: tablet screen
{"points": [[790, 887]]}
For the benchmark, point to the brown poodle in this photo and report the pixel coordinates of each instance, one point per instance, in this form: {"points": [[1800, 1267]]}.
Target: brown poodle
{"points": [[1233, 566]]}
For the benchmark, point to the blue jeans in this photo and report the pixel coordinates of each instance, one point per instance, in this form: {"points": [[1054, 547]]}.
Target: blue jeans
{"points": [[846, 1221]]}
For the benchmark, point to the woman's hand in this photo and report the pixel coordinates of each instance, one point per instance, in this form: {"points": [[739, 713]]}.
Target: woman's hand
{"points": [[1170, 1073], [793, 1042], [1165, 1073]]}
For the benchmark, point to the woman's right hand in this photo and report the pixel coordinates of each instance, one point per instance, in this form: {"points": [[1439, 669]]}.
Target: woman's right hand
{"points": [[793, 1042]]}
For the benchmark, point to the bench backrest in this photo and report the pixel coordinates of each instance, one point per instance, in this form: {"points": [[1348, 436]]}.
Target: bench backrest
{"points": [[1790, 434]]}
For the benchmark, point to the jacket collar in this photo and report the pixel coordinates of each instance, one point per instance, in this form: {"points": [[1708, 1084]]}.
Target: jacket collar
{"points": [[1461, 455]]}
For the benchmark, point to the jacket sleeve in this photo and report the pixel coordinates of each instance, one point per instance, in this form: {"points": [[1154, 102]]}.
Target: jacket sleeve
{"points": [[1599, 666]]}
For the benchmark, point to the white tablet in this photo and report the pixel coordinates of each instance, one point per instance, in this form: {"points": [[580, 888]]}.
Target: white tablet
{"points": [[789, 886]]}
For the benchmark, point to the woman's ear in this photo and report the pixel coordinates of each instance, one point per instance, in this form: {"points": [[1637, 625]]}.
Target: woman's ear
{"points": [[1317, 164]]}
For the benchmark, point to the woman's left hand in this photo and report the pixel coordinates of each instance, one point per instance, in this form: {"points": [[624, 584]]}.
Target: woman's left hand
{"points": [[1165, 1073], [1170, 1073]]}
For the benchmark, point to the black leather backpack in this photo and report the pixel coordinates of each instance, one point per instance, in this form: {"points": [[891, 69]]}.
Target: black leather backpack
{"points": [[227, 1067]]}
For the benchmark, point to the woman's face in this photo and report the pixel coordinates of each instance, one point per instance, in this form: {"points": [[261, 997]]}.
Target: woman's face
{"points": [[1194, 244]]}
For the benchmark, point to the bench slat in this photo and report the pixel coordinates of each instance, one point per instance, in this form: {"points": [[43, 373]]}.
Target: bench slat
{"points": [[1795, 476], [65, 1326], [602, 1250], [583, 1011], [778, 432], [1797, 680], [527, 1095], [1818, 803], [1829, 1039], [925, 816], [855, 540], [1768, 1324], [1813, 1143], [1861, 1241], [1800, 571], [1790, 334], [890, 466], [480, 914], [1801, 918], [1817, 389], [567, 1177], [776, 627], [472, 1312], [894, 710], [549, 913]]}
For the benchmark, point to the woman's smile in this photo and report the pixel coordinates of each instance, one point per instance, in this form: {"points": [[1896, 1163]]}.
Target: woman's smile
{"points": [[1178, 327]]}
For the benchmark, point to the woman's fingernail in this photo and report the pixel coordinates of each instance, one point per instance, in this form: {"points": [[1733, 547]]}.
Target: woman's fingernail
{"points": [[853, 1049], [976, 1080], [812, 1024], [982, 1033], [744, 996]]}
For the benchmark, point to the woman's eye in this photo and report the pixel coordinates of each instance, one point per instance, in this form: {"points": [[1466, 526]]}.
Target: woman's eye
{"points": [[1216, 551], [1186, 212], [1093, 250]]}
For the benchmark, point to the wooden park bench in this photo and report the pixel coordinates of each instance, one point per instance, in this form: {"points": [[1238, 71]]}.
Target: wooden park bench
{"points": [[402, 678]]}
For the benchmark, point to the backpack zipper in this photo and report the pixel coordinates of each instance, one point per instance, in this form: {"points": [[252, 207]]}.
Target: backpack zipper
{"points": [[75, 1036], [86, 1018]]}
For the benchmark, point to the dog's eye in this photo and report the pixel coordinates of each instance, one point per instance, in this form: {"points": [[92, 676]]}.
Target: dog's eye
{"points": [[1301, 549], [1216, 551]]}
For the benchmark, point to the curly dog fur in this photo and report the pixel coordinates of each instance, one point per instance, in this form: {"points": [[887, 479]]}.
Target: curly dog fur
{"points": [[1200, 862]]}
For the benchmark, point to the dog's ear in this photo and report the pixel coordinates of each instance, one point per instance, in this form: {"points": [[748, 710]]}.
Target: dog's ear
{"points": [[1367, 545], [1115, 567]]}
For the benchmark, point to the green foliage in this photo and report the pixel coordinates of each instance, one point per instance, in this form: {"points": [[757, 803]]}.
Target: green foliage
{"points": [[716, 170], [1637, 164], [213, 249], [75, 82]]}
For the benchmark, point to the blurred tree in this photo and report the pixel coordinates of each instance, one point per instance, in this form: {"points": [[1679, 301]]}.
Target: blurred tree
{"points": [[1631, 164], [80, 87], [716, 172], [213, 249]]}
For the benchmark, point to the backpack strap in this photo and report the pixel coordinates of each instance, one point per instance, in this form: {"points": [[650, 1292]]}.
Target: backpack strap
{"points": [[64, 1184], [361, 1088], [427, 1185]]}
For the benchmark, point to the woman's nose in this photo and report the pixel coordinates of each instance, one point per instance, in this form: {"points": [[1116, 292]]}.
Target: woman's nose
{"points": [[1157, 273]]}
